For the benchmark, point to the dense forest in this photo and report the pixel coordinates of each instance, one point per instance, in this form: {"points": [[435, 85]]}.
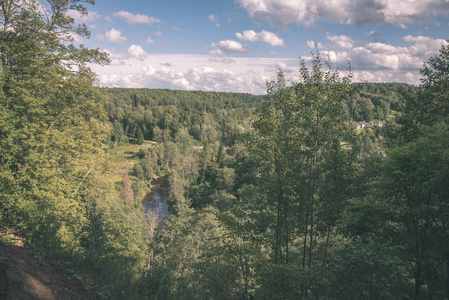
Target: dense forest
{"points": [[280, 196], [142, 114]]}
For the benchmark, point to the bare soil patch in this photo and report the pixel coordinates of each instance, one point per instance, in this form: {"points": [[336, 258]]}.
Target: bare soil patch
{"points": [[24, 276]]}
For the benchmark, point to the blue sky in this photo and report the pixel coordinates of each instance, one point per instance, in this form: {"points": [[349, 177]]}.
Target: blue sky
{"points": [[236, 45]]}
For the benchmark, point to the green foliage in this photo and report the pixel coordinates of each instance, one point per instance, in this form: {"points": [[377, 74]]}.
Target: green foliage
{"points": [[160, 114], [296, 204], [52, 133], [369, 270], [406, 207], [377, 100], [51, 127]]}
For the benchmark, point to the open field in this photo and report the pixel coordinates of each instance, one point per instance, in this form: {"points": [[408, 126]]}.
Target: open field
{"points": [[121, 160]]}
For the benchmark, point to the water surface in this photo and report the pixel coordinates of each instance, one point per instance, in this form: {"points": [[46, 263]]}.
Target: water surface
{"points": [[156, 202]]}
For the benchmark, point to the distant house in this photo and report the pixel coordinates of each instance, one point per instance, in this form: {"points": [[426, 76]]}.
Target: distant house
{"points": [[376, 123], [363, 124]]}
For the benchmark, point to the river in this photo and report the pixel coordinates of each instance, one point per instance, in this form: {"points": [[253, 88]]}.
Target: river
{"points": [[156, 201]]}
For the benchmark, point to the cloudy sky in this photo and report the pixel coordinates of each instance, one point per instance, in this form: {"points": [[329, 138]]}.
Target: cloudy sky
{"points": [[236, 45]]}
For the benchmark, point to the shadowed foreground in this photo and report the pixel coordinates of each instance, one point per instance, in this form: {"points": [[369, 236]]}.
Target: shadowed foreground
{"points": [[25, 276]]}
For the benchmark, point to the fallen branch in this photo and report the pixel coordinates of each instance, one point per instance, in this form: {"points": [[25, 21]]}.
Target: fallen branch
{"points": [[82, 180]]}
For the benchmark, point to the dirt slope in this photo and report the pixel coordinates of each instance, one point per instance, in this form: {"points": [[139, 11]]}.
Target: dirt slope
{"points": [[24, 276]]}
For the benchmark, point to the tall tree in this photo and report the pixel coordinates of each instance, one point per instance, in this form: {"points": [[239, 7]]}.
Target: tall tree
{"points": [[297, 152], [276, 143], [429, 104], [408, 202], [323, 124], [51, 125]]}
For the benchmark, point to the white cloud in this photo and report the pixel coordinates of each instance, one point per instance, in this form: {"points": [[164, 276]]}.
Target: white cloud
{"points": [[341, 41], [136, 51], [359, 12], [381, 62], [374, 62], [263, 36], [417, 39], [378, 38], [213, 18], [77, 39], [191, 72], [313, 45], [114, 36], [136, 18], [227, 46], [149, 40], [205, 78], [286, 68], [80, 18], [224, 60]]}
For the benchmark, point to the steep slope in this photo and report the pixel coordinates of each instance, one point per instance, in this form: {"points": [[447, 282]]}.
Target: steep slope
{"points": [[24, 275]]}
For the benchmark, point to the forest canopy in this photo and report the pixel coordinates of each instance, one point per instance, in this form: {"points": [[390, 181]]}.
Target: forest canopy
{"points": [[320, 189]]}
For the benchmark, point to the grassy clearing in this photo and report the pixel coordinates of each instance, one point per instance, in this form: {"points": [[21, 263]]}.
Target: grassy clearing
{"points": [[346, 144], [121, 160]]}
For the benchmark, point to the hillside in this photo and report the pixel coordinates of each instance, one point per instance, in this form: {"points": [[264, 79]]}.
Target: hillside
{"points": [[142, 114], [24, 275]]}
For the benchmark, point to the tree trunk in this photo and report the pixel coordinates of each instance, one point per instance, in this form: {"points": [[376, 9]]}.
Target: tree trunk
{"points": [[312, 200]]}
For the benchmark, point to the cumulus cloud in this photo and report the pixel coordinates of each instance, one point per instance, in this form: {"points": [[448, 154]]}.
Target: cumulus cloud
{"points": [[214, 19], [116, 59], [287, 69], [374, 62], [227, 46], [136, 51], [206, 79], [417, 39], [77, 39], [114, 36], [263, 36], [224, 60], [341, 41], [359, 12], [136, 18], [191, 72], [313, 45], [378, 38], [80, 18], [381, 62]]}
